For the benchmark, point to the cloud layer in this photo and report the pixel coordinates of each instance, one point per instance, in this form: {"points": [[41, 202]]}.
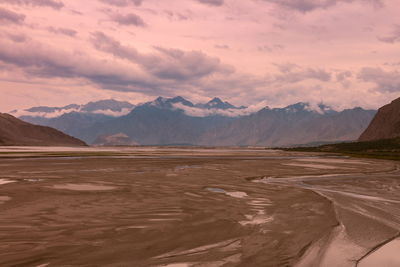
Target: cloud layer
{"points": [[311, 5], [36, 3], [341, 52], [8, 16]]}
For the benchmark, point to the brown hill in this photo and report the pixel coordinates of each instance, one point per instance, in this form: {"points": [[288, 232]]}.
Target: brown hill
{"points": [[15, 132], [386, 123]]}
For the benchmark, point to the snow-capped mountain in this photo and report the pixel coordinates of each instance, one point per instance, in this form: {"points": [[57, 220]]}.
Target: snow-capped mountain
{"points": [[179, 121], [217, 103], [109, 107]]}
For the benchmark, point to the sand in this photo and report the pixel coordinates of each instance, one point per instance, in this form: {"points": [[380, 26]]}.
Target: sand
{"points": [[223, 207]]}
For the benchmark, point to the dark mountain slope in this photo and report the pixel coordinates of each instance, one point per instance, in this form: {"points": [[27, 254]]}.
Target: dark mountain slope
{"points": [[70, 123], [386, 123], [15, 132]]}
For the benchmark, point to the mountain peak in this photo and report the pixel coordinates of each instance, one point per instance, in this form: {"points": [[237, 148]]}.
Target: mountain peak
{"points": [[300, 106], [215, 100], [217, 103], [107, 104], [179, 99], [163, 102], [309, 107]]}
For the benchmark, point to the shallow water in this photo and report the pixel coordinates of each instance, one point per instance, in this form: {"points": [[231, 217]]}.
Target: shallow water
{"points": [[5, 181], [3, 199], [130, 149], [236, 194], [226, 245], [210, 199], [216, 190], [386, 256], [84, 187], [177, 265], [259, 218], [333, 160], [131, 227], [314, 166]]}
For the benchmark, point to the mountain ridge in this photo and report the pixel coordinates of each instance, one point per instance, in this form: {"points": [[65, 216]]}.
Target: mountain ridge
{"points": [[109, 107], [386, 123], [15, 132], [216, 122]]}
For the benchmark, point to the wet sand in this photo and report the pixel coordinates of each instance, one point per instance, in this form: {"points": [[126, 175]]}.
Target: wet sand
{"points": [[196, 207]]}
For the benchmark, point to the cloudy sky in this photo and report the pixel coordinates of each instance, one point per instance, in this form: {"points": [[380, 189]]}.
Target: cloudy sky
{"points": [[344, 53]]}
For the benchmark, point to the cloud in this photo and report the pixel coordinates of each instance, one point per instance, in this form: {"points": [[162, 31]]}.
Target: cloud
{"points": [[292, 73], [128, 19], [113, 113], [385, 81], [177, 64], [164, 72], [49, 115], [212, 2], [11, 17], [65, 31], [200, 112], [393, 37], [122, 3], [47, 3], [343, 75], [177, 16], [105, 43], [166, 64], [16, 37], [43, 61], [61, 111], [222, 46], [392, 63], [305, 6], [270, 48]]}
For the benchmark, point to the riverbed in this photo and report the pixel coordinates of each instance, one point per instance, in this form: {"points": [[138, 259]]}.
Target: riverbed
{"points": [[196, 207]]}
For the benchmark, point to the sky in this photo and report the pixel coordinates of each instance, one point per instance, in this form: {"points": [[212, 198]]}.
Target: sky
{"points": [[343, 53]]}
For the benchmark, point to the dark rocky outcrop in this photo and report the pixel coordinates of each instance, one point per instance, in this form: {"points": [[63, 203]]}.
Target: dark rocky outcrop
{"points": [[386, 123]]}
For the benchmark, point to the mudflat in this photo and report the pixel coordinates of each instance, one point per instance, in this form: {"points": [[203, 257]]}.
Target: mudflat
{"points": [[196, 207]]}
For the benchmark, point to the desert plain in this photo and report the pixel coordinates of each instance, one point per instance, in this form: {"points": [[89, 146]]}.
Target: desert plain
{"points": [[172, 206]]}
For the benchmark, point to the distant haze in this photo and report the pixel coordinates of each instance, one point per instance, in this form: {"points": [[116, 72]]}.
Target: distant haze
{"points": [[344, 53]]}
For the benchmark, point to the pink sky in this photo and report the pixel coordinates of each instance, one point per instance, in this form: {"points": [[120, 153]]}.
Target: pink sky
{"points": [[344, 53]]}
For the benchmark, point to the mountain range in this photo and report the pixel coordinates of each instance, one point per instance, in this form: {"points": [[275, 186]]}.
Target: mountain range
{"points": [[177, 121]]}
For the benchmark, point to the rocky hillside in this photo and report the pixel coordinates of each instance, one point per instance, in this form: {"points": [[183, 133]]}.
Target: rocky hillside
{"points": [[386, 123], [15, 132]]}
